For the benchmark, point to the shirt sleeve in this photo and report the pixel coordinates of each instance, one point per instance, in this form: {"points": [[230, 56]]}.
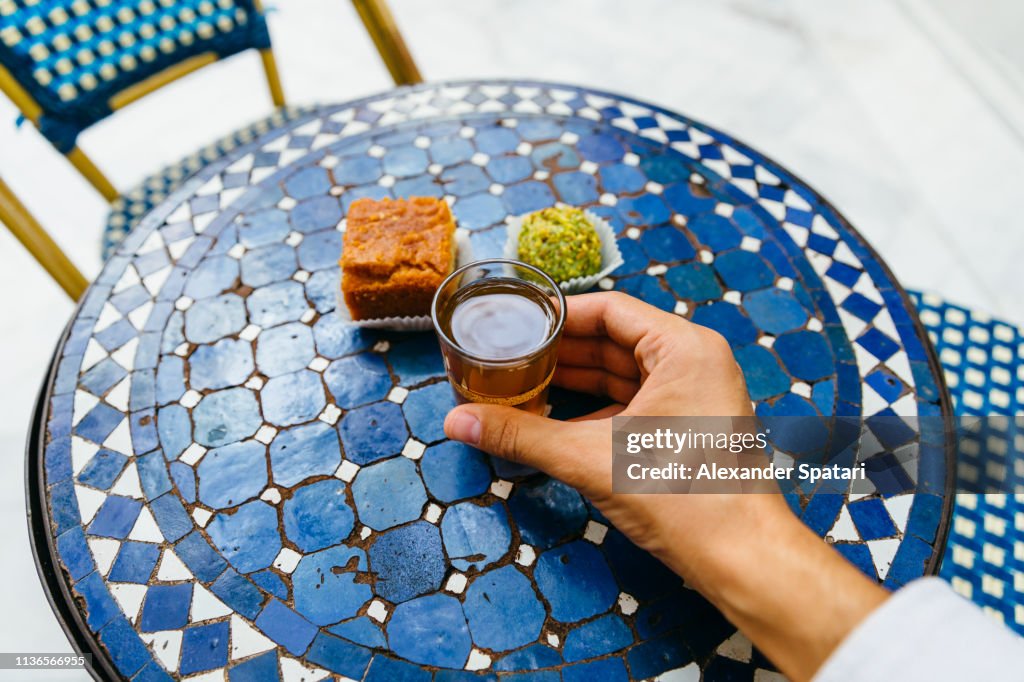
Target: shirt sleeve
{"points": [[926, 631]]}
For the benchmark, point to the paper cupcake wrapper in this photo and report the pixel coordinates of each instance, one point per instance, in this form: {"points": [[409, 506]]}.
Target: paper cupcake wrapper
{"points": [[418, 323], [611, 256]]}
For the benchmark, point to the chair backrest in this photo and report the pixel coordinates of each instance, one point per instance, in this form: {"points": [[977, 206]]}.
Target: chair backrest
{"points": [[69, 63]]}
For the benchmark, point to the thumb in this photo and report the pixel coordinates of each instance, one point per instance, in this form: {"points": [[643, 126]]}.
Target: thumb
{"points": [[508, 433]]}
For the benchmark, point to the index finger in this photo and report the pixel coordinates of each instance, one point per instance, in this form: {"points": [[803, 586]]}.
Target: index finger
{"points": [[620, 317]]}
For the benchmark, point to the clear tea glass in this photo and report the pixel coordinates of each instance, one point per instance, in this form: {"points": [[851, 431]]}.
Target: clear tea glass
{"points": [[499, 322]]}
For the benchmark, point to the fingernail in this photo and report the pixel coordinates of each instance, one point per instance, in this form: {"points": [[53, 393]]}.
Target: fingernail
{"points": [[463, 426]]}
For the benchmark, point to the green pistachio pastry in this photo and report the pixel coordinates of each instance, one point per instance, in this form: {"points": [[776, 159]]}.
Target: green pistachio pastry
{"points": [[562, 242]]}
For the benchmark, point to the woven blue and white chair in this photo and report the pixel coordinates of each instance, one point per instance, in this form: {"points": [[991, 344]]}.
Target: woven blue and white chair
{"points": [[67, 64], [983, 361]]}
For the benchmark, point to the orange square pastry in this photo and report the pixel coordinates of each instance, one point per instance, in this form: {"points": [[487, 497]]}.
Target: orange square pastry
{"points": [[395, 254]]}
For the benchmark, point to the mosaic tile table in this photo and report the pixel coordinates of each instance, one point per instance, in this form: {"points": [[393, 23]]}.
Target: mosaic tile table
{"points": [[227, 482]]}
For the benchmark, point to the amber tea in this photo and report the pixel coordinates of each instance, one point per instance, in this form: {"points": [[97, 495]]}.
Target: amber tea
{"points": [[499, 323]]}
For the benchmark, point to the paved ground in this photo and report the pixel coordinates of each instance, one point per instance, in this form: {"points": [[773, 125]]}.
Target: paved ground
{"points": [[906, 113]]}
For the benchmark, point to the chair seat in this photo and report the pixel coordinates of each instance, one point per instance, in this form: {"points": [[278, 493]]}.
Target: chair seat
{"points": [[133, 205], [983, 362]]}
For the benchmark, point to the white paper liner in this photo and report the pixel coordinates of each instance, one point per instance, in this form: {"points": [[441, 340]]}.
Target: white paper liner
{"points": [[463, 256], [611, 256]]}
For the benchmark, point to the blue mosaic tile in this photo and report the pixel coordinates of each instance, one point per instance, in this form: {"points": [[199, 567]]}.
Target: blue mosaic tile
{"points": [[226, 363], [200, 557], [502, 610], [600, 148], [284, 349], [727, 320], [75, 552], [170, 380], [248, 537], [744, 271], [357, 170], [226, 417], [454, 471], [407, 561], [475, 536], [547, 512], [872, 519], [315, 213], [99, 423], [317, 515], [478, 211], [272, 583], [308, 182], [134, 563], [509, 169], [361, 630], [529, 658], [591, 589], [320, 250], [326, 584], [103, 469], [286, 627], [322, 288], [465, 180], [646, 209], [115, 517], [212, 277], [774, 311], [527, 197], [166, 607], [233, 474], [214, 318], [126, 649], [389, 493], [268, 264], [373, 432], [715, 232], [421, 408], [303, 452], [262, 668], [204, 647], [334, 338], [339, 656], [805, 354], [666, 244], [405, 161], [99, 605], [374, 383], [619, 178], [694, 282], [264, 227], [293, 398], [430, 630], [277, 303], [762, 372]]}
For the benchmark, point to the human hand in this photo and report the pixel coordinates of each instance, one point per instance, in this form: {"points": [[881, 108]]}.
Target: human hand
{"points": [[653, 363]]}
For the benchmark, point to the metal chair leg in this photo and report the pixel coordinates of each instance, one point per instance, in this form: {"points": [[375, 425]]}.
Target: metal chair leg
{"points": [[380, 24], [93, 174], [273, 77], [31, 234]]}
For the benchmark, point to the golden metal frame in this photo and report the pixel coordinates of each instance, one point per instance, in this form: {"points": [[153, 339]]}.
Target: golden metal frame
{"points": [[31, 110], [39, 243], [383, 30]]}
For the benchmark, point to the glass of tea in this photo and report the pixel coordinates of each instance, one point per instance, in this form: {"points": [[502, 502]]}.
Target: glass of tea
{"points": [[499, 322]]}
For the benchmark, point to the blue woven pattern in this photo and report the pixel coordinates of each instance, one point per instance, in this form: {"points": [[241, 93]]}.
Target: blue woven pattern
{"points": [[983, 360], [72, 56], [131, 206]]}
